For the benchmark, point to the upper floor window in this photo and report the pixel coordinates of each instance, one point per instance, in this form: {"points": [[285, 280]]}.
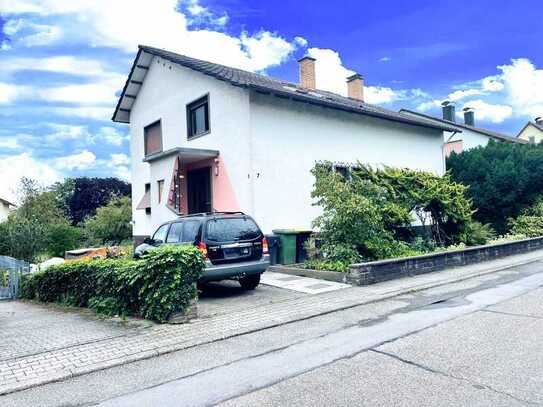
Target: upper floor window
{"points": [[153, 138], [198, 117]]}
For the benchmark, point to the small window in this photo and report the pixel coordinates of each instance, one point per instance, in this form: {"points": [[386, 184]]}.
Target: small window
{"points": [[153, 138], [148, 194], [160, 234], [175, 233], [160, 188], [198, 117]]}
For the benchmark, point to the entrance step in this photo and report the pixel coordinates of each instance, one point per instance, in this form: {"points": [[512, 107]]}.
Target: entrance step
{"points": [[301, 284]]}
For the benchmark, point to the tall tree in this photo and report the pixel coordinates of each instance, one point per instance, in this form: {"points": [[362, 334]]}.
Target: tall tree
{"points": [[80, 197], [503, 179]]}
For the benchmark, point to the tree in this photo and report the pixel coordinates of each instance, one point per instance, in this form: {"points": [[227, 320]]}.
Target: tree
{"points": [[112, 222], [503, 179], [80, 197], [38, 226]]}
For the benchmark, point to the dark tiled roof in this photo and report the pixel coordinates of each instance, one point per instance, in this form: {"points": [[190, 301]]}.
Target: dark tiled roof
{"points": [[278, 87], [460, 126]]}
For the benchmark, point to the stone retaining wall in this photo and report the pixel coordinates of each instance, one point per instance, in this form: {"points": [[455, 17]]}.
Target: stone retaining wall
{"points": [[383, 270]]}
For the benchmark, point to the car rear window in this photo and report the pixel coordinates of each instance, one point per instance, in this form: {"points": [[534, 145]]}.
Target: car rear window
{"points": [[232, 230]]}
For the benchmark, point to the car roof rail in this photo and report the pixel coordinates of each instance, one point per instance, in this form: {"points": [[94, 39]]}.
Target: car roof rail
{"points": [[212, 213]]}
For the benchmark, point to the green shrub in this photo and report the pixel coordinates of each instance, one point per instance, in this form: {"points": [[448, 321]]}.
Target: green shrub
{"points": [[371, 211], [62, 237], [475, 233], [530, 222], [162, 283]]}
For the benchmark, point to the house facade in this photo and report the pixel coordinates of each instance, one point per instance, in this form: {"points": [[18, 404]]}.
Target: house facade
{"points": [[205, 137], [466, 135], [532, 132], [5, 209]]}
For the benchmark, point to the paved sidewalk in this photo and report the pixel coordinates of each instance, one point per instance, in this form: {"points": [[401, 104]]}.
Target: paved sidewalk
{"points": [[51, 365]]}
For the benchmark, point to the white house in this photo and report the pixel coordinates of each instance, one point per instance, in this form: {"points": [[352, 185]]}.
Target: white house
{"points": [[5, 208], [465, 135], [209, 137], [532, 132]]}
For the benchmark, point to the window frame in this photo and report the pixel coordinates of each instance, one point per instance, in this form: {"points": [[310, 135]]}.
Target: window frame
{"points": [[160, 189], [145, 153], [190, 107], [148, 191], [165, 225]]}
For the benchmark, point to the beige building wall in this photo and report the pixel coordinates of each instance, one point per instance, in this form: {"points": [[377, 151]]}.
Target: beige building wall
{"points": [[531, 131]]}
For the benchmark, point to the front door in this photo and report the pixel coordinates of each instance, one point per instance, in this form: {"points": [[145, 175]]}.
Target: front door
{"points": [[199, 190]]}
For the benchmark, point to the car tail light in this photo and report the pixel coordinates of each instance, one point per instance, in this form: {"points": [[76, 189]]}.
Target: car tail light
{"points": [[265, 249], [203, 248]]}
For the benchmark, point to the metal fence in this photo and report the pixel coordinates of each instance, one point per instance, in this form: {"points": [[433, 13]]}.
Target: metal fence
{"points": [[10, 274]]}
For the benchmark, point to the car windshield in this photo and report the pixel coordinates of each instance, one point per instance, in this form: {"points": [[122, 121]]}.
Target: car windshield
{"points": [[232, 230]]}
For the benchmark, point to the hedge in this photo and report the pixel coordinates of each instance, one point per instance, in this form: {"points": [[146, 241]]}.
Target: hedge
{"points": [[160, 284]]}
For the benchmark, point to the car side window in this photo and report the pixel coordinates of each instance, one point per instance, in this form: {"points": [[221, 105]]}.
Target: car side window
{"points": [[160, 234], [175, 233], [190, 231]]}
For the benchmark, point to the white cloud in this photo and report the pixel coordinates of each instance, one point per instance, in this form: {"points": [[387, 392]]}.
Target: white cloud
{"points": [[124, 24], [13, 168], [330, 73], [112, 135], [461, 94], [119, 159], [61, 64], [429, 105], [523, 84], [378, 95], [384, 59], [89, 112], [486, 111], [87, 94], [81, 161], [492, 84], [66, 132], [9, 92], [9, 143]]}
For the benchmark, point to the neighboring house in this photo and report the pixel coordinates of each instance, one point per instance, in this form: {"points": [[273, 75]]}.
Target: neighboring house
{"points": [[465, 136], [532, 132], [5, 209], [209, 137]]}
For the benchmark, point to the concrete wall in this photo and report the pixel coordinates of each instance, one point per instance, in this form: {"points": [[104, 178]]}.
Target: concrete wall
{"points": [[288, 138], [166, 91], [384, 270]]}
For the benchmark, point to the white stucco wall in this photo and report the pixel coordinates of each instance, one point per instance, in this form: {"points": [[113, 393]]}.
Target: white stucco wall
{"points": [[166, 91], [289, 137]]}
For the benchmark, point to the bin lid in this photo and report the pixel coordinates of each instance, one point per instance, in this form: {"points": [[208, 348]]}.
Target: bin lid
{"points": [[291, 231]]}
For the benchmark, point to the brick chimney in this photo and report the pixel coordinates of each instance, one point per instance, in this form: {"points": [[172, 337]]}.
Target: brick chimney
{"points": [[307, 72], [355, 87], [448, 111], [469, 116]]}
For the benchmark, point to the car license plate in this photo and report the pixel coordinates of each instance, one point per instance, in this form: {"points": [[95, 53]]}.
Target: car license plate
{"points": [[236, 252]]}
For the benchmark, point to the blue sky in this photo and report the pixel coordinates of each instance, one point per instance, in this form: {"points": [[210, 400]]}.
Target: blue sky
{"points": [[63, 62]]}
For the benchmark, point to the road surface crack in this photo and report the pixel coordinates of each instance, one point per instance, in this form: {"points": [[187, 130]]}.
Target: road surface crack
{"points": [[428, 369], [511, 314]]}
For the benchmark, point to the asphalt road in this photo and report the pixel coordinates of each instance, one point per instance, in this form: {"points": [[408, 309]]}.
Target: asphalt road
{"points": [[473, 343]]}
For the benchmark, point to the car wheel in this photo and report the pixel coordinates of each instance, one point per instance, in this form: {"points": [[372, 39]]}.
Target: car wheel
{"points": [[250, 282]]}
